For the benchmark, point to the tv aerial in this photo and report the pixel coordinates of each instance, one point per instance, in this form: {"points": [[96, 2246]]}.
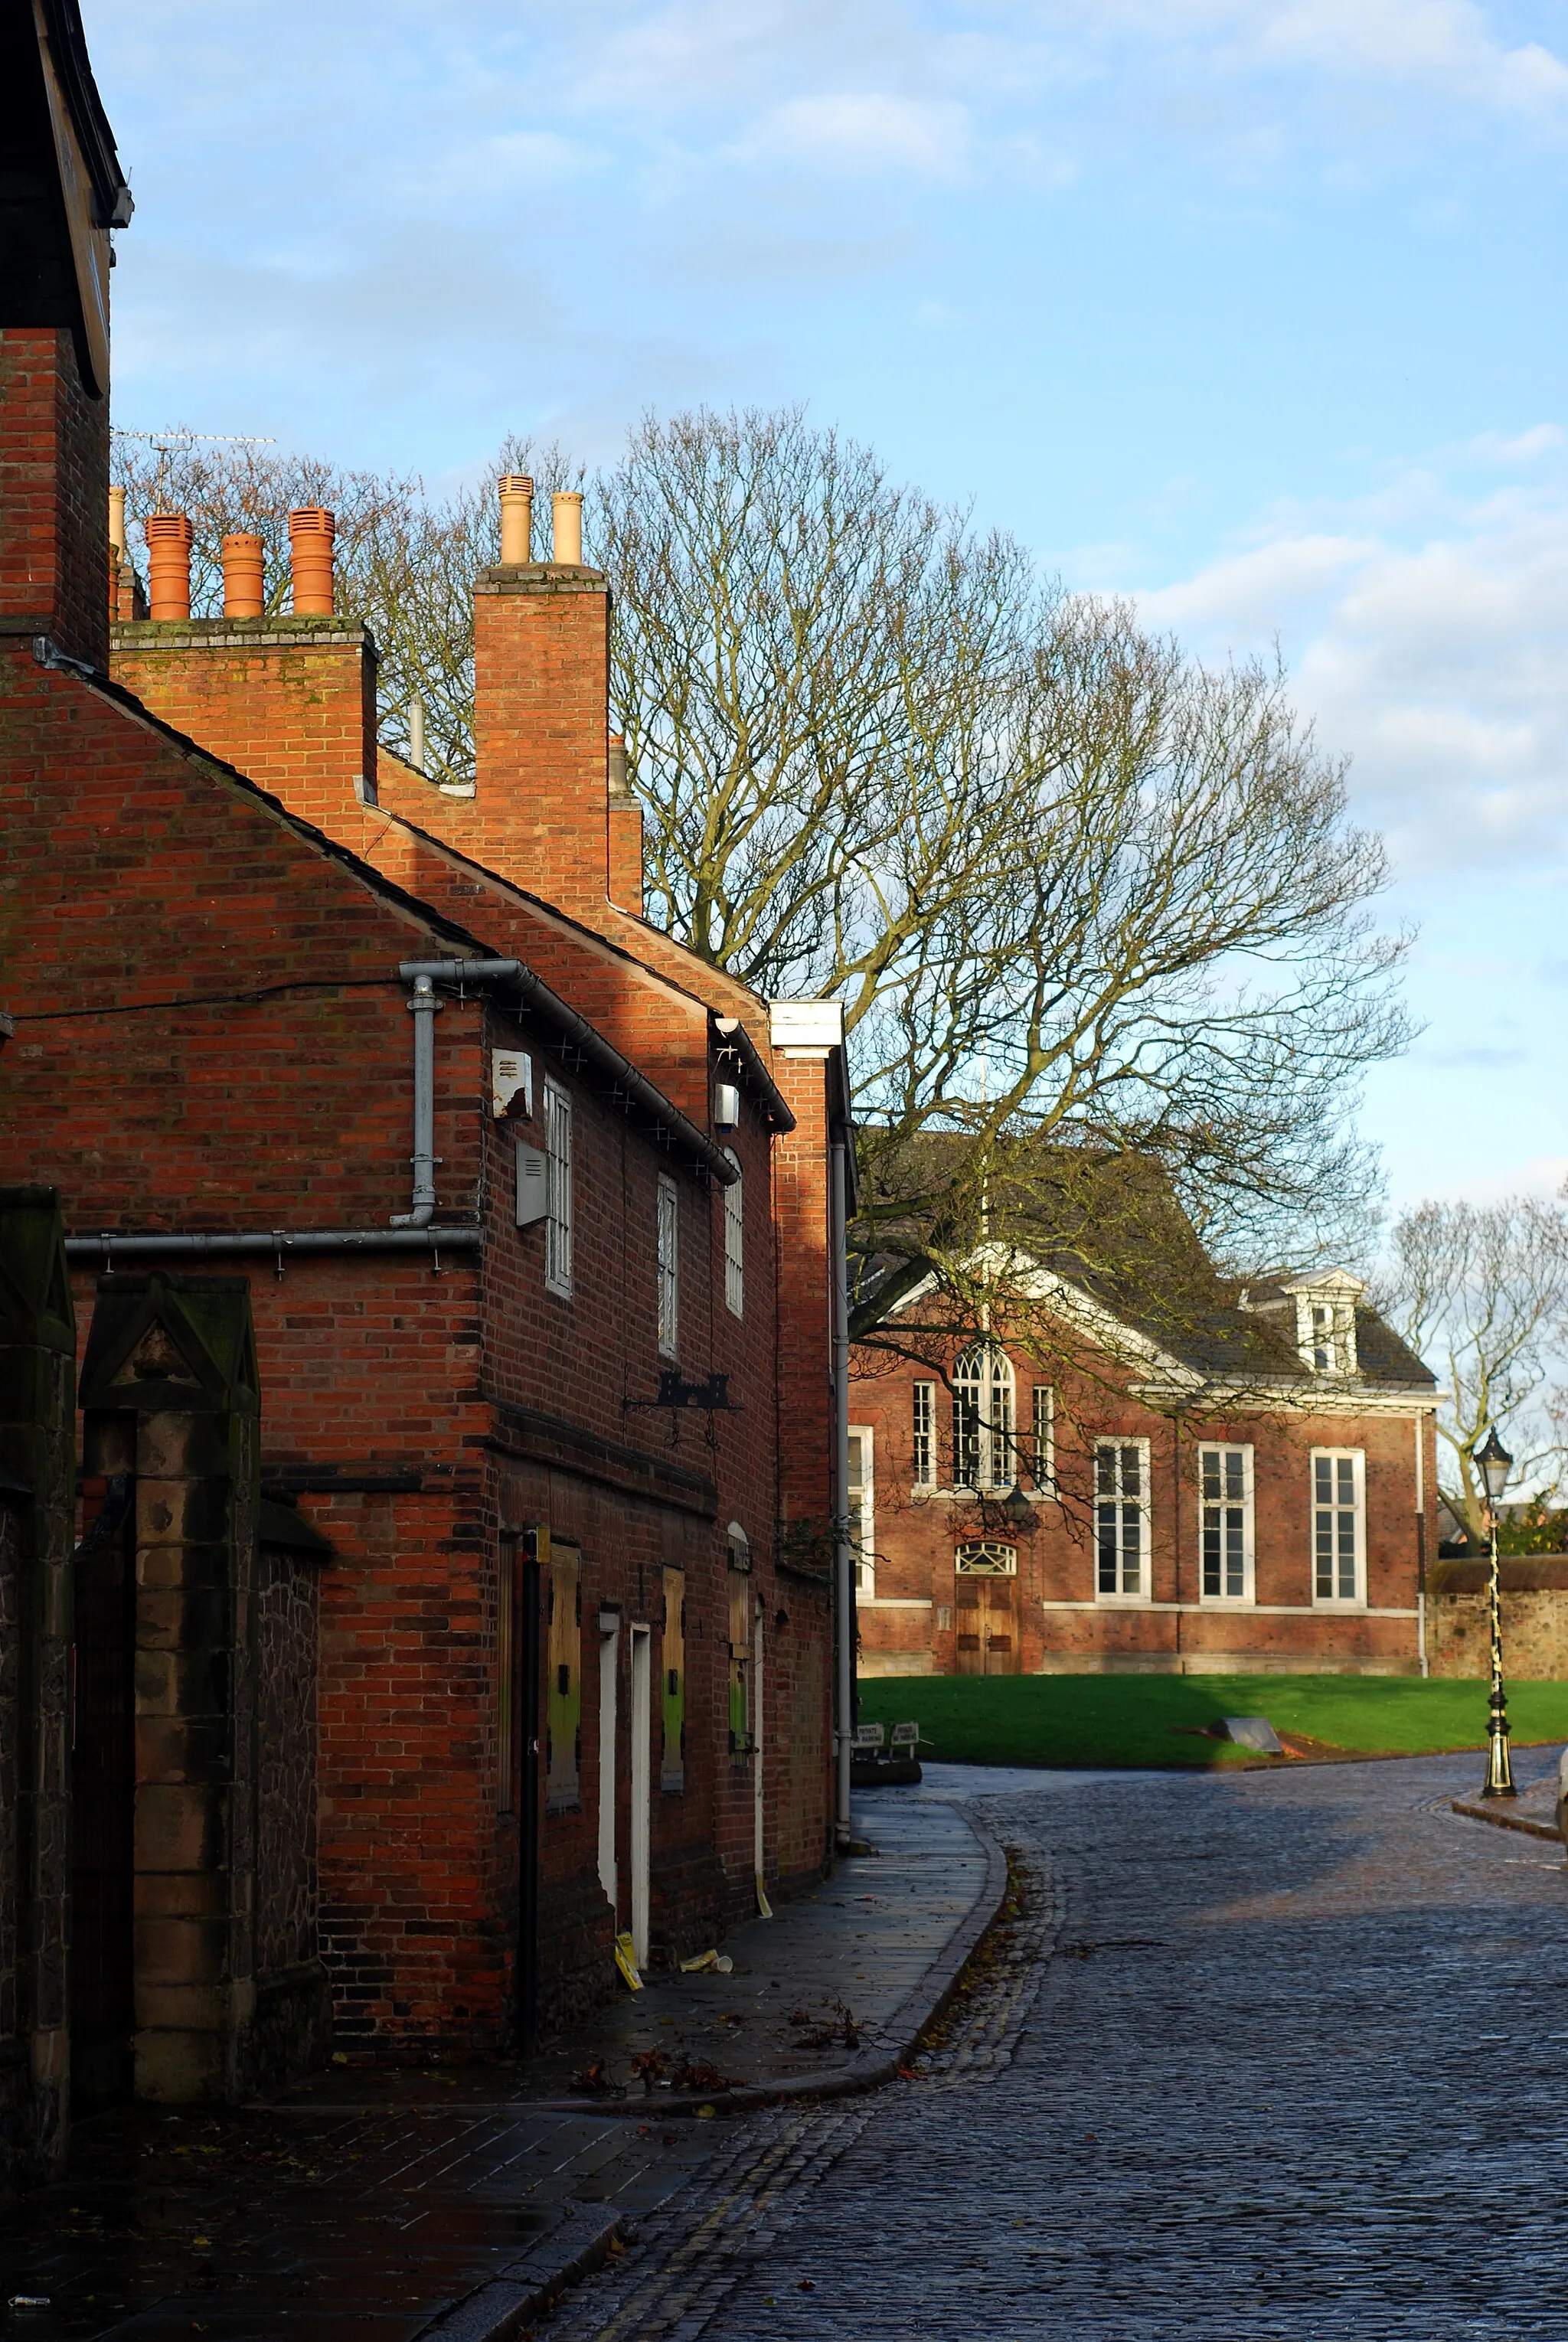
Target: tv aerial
{"points": [[171, 442]]}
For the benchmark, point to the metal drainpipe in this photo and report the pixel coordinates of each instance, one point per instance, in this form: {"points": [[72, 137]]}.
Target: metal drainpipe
{"points": [[843, 1565], [424, 1007]]}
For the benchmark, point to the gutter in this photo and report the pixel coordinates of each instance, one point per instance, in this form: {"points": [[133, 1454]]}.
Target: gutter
{"points": [[110, 1245], [734, 1036], [578, 1035]]}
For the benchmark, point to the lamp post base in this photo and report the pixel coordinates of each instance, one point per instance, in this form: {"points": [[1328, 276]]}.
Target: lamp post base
{"points": [[1499, 1782]]}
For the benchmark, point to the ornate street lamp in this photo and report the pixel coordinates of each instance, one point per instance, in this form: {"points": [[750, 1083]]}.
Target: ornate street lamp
{"points": [[1495, 1462], [1018, 1512]]}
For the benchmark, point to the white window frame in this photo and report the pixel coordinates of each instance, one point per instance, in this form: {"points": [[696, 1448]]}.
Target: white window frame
{"points": [[922, 1436], [983, 1377], [1326, 1331], [1134, 1510], [735, 1242], [557, 1188], [1218, 1503], [862, 1506], [667, 1253], [1042, 1405], [1334, 1458]]}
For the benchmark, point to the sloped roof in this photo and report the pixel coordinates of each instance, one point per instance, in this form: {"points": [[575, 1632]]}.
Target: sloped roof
{"points": [[1110, 1226]]}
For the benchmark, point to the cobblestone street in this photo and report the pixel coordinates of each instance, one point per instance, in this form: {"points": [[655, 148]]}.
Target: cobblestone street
{"points": [[1270, 2058]]}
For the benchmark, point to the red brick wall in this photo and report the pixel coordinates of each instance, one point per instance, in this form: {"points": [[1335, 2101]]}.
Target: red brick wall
{"points": [[290, 702], [1060, 1624], [54, 501]]}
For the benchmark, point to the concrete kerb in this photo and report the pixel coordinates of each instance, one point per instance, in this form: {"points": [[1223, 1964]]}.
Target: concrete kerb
{"points": [[1501, 1818], [504, 2306], [870, 2067]]}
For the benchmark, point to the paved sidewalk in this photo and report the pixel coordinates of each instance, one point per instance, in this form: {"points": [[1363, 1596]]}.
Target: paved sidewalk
{"points": [[367, 2207]]}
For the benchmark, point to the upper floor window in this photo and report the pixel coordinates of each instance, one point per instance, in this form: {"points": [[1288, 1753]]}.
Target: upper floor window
{"points": [[922, 1436], [1121, 1520], [983, 1442], [1043, 1461], [862, 1495], [1339, 1524], [1225, 1523], [669, 1267], [734, 1243], [557, 1188], [1325, 1321]]}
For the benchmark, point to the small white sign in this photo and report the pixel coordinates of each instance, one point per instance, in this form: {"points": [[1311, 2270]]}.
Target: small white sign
{"points": [[510, 1073]]}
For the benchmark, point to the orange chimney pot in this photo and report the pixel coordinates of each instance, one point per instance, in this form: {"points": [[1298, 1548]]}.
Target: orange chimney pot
{"points": [[244, 562], [169, 540], [311, 531], [516, 519]]}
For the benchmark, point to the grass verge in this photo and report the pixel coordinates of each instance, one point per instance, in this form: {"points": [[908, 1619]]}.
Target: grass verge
{"points": [[1138, 1720]]}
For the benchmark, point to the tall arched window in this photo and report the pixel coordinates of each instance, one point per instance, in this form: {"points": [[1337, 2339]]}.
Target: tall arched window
{"points": [[982, 1443]]}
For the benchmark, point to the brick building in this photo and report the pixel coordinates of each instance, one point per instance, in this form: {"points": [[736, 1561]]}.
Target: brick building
{"points": [[1179, 1473], [453, 1588]]}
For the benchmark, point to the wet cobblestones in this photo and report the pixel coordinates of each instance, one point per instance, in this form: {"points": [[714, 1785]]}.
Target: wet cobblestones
{"points": [[1270, 2058]]}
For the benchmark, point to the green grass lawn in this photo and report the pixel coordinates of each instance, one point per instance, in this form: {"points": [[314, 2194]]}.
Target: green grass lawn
{"points": [[1139, 1719]]}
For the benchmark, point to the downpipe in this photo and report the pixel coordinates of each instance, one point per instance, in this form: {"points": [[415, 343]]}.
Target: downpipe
{"points": [[423, 1008], [844, 1559]]}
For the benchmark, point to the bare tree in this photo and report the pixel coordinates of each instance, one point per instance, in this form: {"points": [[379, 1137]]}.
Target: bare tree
{"points": [[1075, 890], [1481, 1290], [1072, 889]]}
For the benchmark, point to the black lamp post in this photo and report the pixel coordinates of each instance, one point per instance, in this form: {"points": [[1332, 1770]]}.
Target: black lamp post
{"points": [[1495, 1462], [1018, 1512]]}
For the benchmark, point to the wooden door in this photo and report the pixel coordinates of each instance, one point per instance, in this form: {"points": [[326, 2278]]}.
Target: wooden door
{"points": [[987, 1625]]}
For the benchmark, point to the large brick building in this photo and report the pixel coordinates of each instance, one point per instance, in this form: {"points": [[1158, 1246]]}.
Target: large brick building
{"points": [[1158, 1470], [453, 1259]]}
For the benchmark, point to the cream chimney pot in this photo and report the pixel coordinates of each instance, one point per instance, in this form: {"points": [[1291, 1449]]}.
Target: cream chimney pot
{"points": [[517, 518], [117, 520], [566, 527]]}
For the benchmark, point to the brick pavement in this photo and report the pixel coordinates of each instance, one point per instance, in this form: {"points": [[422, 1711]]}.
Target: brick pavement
{"points": [[365, 2204], [1295, 2071]]}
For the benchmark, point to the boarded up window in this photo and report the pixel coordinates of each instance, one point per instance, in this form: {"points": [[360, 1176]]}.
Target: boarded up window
{"points": [[740, 1585], [563, 1711], [672, 1686]]}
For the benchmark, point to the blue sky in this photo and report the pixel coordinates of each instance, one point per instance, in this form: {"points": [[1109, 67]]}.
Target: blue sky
{"points": [[1252, 309]]}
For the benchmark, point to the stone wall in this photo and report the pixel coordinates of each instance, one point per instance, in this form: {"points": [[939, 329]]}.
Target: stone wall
{"points": [[37, 1455], [1535, 1607]]}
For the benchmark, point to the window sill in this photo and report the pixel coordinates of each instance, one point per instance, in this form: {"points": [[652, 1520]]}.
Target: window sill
{"points": [[1123, 1601], [1227, 1601]]}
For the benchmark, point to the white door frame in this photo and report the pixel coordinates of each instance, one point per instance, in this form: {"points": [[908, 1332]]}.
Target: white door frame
{"points": [[642, 1786], [609, 1678]]}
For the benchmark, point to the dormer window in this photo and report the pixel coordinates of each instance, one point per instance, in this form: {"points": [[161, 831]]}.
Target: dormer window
{"points": [[1325, 1321]]}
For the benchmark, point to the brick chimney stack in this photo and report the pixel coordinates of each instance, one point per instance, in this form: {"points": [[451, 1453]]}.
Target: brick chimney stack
{"points": [[540, 814]]}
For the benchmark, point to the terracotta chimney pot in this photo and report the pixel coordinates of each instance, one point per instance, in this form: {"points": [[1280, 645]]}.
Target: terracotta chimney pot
{"points": [[566, 527], [517, 518], [117, 521], [169, 539], [311, 531], [244, 570]]}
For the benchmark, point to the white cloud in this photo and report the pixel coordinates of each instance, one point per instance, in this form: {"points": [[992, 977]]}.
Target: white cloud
{"points": [[1435, 662], [869, 133]]}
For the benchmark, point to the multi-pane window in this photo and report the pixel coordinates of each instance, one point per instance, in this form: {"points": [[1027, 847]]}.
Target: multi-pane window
{"points": [[922, 1436], [1338, 1521], [734, 1244], [1043, 1459], [1122, 1518], [557, 1188], [983, 1440], [669, 1267], [1226, 1511], [861, 1495]]}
